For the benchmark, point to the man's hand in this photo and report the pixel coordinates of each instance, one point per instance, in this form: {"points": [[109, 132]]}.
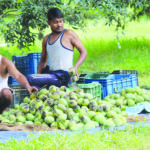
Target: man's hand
{"points": [[75, 69], [32, 89]]}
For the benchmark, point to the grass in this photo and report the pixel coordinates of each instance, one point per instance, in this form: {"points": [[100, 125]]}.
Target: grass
{"points": [[136, 138]]}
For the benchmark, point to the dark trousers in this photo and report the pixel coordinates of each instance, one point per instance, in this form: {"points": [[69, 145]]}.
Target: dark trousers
{"points": [[48, 78]]}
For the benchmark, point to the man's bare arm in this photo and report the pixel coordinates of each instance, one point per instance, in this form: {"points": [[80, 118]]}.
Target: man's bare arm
{"points": [[43, 60], [11, 69], [78, 44]]}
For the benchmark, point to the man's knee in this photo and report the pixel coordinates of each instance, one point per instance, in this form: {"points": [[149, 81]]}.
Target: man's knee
{"points": [[6, 94], [30, 79]]}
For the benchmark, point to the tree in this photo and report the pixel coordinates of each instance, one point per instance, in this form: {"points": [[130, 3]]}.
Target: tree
{"points": [[27, 18]]}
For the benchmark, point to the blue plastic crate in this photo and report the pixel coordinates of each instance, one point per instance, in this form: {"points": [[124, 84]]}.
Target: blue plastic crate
{"points": [[21, 63], [114, 83], [12, 81], [27, 64], [126, 72], [34, 59]]}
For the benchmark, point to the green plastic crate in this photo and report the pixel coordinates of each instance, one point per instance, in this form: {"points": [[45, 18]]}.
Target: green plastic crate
{"points": [[92, 88], [82, 77], [19, 93], [97, 75]]}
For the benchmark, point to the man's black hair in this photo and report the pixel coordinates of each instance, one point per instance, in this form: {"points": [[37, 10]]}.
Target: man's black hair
{"points": [[54, 13]]}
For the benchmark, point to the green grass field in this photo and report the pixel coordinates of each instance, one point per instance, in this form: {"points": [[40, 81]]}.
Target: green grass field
{"points": [[131, 139]]}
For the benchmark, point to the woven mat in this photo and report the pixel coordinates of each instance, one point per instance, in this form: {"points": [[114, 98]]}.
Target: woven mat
{"points": [[12, 127]]}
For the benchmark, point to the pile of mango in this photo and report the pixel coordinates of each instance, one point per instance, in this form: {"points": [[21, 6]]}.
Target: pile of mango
{"points": [[61, 108], [129, 97]]}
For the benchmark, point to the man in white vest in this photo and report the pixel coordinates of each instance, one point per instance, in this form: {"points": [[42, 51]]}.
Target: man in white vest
{"points": [[7, 68], [58, 48]]}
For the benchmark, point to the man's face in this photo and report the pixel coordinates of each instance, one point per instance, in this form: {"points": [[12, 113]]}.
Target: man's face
{"points": [[56, 25]]}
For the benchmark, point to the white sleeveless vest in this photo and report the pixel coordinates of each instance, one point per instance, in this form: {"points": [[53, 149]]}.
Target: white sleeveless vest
{"points": [[60, 57], [3, 81]]}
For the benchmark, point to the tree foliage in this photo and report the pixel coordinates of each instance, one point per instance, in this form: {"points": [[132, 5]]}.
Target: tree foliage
{"points": [[22, 21]]}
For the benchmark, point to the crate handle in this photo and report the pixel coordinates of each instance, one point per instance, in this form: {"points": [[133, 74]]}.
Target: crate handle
{"points": [[13, 91]]}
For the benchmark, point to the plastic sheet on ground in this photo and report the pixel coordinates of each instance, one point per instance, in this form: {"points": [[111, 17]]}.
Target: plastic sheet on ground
{"points": [[24, 135], [141, 107]]}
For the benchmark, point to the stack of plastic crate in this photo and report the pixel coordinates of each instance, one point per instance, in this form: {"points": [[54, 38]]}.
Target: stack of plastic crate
{"points": [[112, 83]]}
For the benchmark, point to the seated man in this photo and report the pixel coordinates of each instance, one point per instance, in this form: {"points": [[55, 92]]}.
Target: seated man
{"points": [[58, 48], [7, 68]]}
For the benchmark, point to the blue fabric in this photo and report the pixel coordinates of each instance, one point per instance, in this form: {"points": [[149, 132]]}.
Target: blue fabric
{"points": [[40, 80], [48, 77], [147, 115], [141, 107], [24, 135]]}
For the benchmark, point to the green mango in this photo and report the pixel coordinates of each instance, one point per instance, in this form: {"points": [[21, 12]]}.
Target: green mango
{"points": [[71, 72], [52, 88], [54, 125], [72, 103], [16, 106], [111, 114], [57, 112], [76, 118], [91, 114], [55, 96], [62, 107], [85, 102], [32, 110], [30, 117], [43, 97], [63, 88], [29, 122], [12, 118], [26, 100], [21, 119], [62, 117], [33, 95], [43, 92], [25, 108], [63, 102], [89, 125], [38, 119], [99, 118], [130, 102], [85, 119], [49, 119], [75, 126], [5, 121], [109, 123]]}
